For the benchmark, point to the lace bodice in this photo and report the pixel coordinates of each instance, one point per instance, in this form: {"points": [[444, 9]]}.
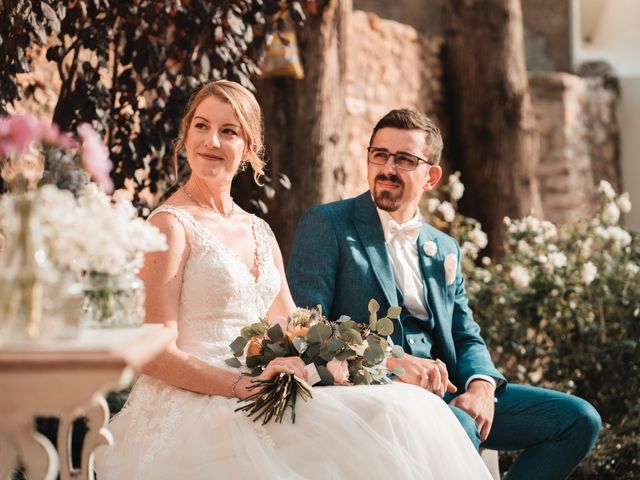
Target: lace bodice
{"points": [[219, 293]]}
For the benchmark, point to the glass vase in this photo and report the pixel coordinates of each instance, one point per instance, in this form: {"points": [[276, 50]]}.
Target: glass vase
{"points": [[36, 302], [112, 301]]}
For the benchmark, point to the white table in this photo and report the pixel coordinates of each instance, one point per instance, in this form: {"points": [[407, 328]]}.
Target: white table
{"points": [[67, 380]]}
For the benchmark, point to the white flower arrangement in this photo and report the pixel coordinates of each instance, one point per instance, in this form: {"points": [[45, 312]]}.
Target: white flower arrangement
{"points": [[90, 233]]}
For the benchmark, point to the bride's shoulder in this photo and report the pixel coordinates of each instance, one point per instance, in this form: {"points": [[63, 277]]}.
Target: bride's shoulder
{"points": [[170, 218]]}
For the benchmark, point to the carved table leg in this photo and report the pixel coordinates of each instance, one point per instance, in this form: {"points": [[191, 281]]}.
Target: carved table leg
{"points": [[21, 444], [97, 415]]}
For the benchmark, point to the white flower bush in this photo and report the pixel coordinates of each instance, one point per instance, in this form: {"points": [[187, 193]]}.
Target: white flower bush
{"points": [[561, 309]]}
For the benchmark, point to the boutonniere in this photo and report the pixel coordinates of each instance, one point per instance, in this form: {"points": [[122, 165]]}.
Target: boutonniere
{"points": [[430, 248], [450, 268]]}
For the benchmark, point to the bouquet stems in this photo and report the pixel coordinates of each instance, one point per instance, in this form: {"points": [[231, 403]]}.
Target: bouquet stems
{"points": [[273, 396]]}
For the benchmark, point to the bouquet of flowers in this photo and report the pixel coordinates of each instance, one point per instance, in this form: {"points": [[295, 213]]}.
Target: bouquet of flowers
{"points": [[340, 352]]}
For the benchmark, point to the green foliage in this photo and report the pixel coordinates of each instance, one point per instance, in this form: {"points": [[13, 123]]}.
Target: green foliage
{"points": [[128, 67]]}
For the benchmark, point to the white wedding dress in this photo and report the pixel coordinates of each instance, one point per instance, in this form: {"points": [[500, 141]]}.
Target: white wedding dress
{"points": [[394, 431]]}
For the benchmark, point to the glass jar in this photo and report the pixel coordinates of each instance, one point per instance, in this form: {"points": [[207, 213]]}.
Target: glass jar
{"points": [[32, 292], [112, 301]]}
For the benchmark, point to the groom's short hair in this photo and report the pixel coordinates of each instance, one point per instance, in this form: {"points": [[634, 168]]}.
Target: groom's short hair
{"points": [[407, 119]]}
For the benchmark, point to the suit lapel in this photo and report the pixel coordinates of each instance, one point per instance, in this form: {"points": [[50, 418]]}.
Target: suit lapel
{"points": [[432, 269], [369, 228]]}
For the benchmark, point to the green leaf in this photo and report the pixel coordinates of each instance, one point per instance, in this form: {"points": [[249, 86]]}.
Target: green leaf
{"points": [[343, 318], [373, 321], [313, 351], [325, 331], [275, 333], [345, 326], [399, 371], [373, 354], [385, 326], [397, 351], [237, 346], [300, 344], [319, 333], [255, 361], [277, 349], [373, 306], [354, 335], [326, 354], [394, 312], [335, 344], [346, 354], [233, 362], [326, 378]]}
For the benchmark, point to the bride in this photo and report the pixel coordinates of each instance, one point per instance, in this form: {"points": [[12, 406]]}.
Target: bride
{"points": [[222, 271]]}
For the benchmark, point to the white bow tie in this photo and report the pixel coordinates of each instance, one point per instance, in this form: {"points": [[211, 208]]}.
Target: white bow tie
{"points": [[407, 232]]}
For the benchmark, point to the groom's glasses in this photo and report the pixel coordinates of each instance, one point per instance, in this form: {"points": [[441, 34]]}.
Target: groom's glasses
{"points": [[402, 160]]}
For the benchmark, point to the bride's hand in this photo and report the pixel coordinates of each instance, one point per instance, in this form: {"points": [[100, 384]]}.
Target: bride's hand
{"points": [[290, 365]]}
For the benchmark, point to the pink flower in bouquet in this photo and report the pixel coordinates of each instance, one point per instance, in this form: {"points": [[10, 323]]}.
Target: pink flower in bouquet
{"points": [[17, 132], [95, 156], [339, 370]]}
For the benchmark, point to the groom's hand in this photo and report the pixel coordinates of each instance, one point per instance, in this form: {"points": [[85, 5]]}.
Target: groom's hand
{"points": [[429, 374], [478, 401]]}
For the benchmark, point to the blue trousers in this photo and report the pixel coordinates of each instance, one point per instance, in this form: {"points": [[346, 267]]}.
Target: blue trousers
{"points": [[554, 430]]}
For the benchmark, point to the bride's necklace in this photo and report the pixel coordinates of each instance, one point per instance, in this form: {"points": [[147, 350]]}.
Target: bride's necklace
{"points": [[208, 207]]}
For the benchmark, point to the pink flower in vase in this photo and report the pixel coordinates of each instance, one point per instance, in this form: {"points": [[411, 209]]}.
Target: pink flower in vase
{"points": [[95, 156]]}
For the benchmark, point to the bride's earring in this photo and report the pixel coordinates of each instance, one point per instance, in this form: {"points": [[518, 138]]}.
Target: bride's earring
{"points": [[243, 165]]}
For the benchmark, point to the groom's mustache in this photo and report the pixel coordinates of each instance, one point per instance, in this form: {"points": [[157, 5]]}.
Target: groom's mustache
{"points": [[389, 178]]}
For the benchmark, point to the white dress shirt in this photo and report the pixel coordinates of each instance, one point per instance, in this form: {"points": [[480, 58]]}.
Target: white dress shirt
{"points": [[402, 246]]}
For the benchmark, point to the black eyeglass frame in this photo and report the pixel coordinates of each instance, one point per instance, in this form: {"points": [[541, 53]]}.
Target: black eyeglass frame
{"points": [[372, 149]]}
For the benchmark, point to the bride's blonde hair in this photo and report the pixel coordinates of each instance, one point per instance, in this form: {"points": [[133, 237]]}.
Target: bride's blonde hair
{"points": [[249, 115]]}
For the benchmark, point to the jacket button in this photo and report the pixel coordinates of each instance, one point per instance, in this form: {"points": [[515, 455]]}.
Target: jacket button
{"points": [[412, 341], [424, 339]]}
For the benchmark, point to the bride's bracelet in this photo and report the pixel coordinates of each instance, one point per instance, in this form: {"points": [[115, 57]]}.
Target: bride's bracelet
{"points": [[234, 385]]}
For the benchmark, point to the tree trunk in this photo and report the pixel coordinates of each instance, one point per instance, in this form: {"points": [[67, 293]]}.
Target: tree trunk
{"points": [[304, 122], [493, 138]]}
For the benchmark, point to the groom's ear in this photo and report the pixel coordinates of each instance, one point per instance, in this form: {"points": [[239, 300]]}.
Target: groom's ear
{"points": [[433, 177]]}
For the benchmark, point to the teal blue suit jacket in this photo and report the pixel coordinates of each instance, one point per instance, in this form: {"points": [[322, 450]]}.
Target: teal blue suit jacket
{"points": [[339, 260]]}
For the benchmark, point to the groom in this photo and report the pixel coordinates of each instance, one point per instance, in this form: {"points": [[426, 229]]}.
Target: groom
{"points": [[378, 246]]}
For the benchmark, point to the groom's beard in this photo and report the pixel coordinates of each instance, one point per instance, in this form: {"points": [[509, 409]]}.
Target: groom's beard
{"points": [[384, 199]]}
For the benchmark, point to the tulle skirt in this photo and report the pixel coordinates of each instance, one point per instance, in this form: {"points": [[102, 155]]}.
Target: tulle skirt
{"points": [[363, 432]]}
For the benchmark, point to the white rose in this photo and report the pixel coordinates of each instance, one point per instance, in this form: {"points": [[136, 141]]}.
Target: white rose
{"points": [[624, 202], [631, 268], [457, 190], [611, 214], [606, 189], [619, 235], [447, 211], [432, 204], [478, 237], [558, 259], [523, 247], [520, 276], [469, 249], [589, 272]]}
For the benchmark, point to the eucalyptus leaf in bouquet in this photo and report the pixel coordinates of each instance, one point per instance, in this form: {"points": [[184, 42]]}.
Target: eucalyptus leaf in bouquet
{"points": [[340, 352]]}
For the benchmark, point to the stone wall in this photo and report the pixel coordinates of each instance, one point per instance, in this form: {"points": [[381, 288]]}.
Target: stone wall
{"points": [[547, 33], [389, 65], [576, 120]]}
